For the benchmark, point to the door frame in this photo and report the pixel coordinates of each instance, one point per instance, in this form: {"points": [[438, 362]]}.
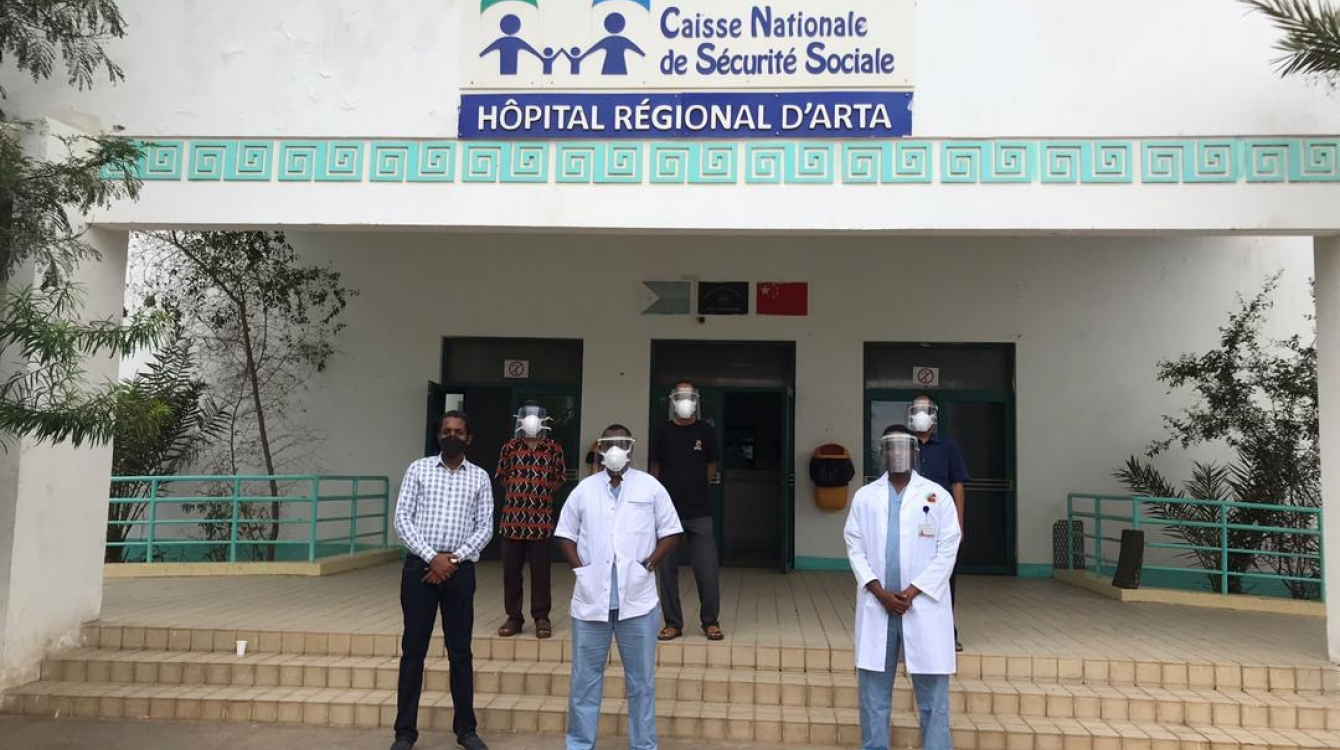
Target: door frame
{"points": [[787, 394], [941, 397]]}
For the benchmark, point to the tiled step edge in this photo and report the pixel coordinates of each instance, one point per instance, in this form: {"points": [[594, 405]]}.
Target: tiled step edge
{"points": [[1093, 671], [748, 687], [502, 713]]}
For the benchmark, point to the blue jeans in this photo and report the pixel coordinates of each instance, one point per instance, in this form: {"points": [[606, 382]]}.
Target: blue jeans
{"points": [[876, 693], [590, 652]]}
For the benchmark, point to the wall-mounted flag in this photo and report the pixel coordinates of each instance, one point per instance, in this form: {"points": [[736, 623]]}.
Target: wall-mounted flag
{"points": [[783, 298], [723, 298], [486, 4], [666, 298], [644, 3]]}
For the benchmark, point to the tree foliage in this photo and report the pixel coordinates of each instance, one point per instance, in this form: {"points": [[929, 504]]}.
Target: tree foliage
{"points": [[192, 419], [264, 323], [1258, 397], [1311, 41], [44, 339], [36, 34]]}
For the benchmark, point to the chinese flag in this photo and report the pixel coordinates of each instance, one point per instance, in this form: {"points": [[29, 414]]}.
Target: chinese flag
{"points": [[776, 298]]}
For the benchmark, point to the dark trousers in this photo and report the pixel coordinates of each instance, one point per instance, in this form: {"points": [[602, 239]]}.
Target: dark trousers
{"points": [[702, 542], [516, 555], [420, 603]]}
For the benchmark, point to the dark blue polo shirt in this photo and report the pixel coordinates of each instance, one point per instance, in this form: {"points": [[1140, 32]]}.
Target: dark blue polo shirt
{"points": [[941, 461]]}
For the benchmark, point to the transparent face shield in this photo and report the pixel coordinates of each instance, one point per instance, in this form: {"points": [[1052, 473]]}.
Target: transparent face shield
{"points": [[900, 451], [922, 416], [615, 452], [685, 403], [532, 421]]}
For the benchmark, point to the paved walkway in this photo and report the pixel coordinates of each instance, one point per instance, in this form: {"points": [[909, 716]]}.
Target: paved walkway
{"points": [[998, 616], [19, 733]]}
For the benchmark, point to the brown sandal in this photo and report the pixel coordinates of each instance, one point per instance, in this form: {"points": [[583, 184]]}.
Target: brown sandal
{"points": [[509, 629], [543, 629], [669, 633], [713, 633]]}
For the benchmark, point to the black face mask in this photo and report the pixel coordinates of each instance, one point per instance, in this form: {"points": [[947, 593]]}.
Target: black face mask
{"points": [[451, 445]]}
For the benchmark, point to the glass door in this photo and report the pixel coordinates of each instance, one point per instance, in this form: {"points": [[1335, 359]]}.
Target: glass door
{"points": [[982, 423]]}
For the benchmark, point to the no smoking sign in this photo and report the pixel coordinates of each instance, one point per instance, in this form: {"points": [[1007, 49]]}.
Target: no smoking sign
{"points": [[926, 377], [516, 369]]}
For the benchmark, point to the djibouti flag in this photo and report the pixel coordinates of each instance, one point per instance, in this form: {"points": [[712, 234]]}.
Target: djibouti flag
{"points": [[486, 4], [644, 3]]}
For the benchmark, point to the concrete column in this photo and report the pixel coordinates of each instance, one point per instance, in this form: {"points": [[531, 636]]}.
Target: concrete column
{"points": [[53, 507], [1327, 260]]}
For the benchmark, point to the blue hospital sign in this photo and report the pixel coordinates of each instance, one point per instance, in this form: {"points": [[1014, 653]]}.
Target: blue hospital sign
{"points": [[687, 69]]}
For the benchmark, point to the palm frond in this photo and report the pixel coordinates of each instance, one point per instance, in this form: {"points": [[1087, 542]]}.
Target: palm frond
{"points": [[1311, 42]]}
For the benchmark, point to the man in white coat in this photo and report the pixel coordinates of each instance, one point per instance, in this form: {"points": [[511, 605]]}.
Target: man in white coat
{"points": [[902, 539], [615, 528]]}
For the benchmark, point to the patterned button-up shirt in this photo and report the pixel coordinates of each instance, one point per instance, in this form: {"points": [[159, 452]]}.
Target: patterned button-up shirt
{"points": [[530, 477], [441, 510]]}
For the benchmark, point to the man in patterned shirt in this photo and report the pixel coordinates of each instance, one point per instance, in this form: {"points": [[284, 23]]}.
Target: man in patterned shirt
{"points": [[531, 469], [444, 516]]}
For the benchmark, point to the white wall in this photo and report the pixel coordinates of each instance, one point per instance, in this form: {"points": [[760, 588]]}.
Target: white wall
{"points": [[1089, 318], [53, 510], [1327, 262], [985, 67]]}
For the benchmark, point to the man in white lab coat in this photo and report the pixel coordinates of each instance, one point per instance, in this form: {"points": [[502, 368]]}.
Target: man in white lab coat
{"points": [[902, 539], [615, 528]]}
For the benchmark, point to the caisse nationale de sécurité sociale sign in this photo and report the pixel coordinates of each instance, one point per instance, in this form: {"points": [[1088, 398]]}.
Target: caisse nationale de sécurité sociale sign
{"points": [[687, 68]]}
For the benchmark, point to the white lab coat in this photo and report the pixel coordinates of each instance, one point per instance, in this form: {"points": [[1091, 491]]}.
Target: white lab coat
{"points": [[926, 562], [610, 534]]}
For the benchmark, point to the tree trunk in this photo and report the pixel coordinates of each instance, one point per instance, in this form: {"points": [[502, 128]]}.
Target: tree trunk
{"points": [[254, 377]]}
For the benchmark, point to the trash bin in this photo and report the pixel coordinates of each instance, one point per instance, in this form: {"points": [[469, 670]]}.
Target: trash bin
{"points": [[831, 470]]}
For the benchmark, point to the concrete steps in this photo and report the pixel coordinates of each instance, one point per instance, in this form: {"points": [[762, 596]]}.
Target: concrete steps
{"points": [[745, 692], [695, 684], [681, 719], [696, 652]]}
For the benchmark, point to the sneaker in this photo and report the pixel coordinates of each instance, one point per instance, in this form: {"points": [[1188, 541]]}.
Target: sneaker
{"points": [[958, 645], [471, 741], [402, 743]]}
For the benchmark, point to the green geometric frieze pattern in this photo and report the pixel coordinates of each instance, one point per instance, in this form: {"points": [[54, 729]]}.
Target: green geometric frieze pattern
{"points": [[1002, 161]]}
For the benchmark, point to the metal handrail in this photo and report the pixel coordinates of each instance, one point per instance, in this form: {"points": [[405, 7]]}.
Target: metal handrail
{"points": [[1139, 517], [353, 494]]}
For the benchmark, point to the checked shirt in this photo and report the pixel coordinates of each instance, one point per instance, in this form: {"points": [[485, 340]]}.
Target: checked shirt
{"points": [[440, 510], [529, 479]]}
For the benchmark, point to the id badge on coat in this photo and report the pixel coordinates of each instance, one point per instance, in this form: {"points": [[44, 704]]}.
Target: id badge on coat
{"points": [[927, 529]]}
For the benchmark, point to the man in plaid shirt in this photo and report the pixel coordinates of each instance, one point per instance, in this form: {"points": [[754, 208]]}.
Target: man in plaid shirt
{"points": [[531, 469], [444, 517]]}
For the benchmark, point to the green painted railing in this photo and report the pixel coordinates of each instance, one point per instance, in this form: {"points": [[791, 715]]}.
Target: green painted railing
{"points": [[209, 518], [1110, 514]]}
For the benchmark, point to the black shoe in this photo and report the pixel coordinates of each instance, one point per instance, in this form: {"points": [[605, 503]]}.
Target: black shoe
{"points": [[958, 646], [402, 743], [471, 741]]}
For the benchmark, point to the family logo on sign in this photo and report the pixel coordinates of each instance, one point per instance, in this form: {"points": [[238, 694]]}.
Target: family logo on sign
{"points": [[511, 45]]}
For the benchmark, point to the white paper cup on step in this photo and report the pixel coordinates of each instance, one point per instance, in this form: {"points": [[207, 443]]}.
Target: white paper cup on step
{"points": [[241, 648]]}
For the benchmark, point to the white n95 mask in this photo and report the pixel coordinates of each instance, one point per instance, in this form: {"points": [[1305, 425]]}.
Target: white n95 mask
{"points": [[615, 452], [615, 458], [531, 420], [922, 416], [684, 403], [531, 425]]}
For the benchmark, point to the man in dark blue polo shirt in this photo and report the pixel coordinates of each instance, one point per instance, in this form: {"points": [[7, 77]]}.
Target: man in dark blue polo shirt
{"points": [[942, 463]]}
